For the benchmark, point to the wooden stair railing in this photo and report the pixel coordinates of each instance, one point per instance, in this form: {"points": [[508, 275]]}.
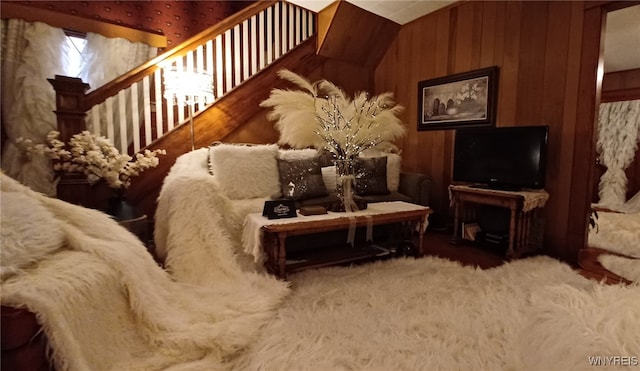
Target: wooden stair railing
{"points": [[219, 120], [131, 109], [217, 46]]}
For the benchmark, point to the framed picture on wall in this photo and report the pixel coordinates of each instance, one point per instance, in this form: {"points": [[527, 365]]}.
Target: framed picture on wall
{"points": [[460, 100]]}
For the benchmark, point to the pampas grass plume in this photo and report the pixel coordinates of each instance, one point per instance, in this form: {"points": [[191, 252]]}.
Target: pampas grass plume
{"points": [[299, 115]]}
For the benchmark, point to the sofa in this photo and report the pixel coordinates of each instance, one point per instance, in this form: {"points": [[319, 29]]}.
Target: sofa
{"points": [[208, 193], [378, 174]]}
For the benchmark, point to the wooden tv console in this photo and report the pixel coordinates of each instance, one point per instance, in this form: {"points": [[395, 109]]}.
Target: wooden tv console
{"points": [[522, 205]]}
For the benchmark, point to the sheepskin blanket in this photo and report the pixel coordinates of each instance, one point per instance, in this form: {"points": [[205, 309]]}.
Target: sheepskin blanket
{"points": [[434, 314], [105, 304], [619, 233], [198, 228]]}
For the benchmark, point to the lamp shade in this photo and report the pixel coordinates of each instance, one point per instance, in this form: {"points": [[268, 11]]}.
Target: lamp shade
{"points": [[191, 86]]}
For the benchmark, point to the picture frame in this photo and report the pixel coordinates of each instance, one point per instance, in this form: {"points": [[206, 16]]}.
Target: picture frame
{"points": [[461, 100]]}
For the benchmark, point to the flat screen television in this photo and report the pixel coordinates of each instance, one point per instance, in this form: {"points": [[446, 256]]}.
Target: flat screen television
{"points": [[510, 158]]}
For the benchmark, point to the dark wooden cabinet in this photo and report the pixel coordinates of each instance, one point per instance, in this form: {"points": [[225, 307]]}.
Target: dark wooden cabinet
{"points": [[24, 344]]}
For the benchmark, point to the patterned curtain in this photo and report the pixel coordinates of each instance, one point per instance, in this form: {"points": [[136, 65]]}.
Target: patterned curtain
{"points": [[618, 134], [104, 59], [31, 54]]}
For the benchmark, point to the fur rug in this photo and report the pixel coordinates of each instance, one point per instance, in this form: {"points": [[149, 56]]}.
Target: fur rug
{"points": [[433, 314], [105, 304]]}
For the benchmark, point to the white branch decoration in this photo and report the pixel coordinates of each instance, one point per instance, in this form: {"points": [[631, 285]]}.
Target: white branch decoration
{"points": [[322, 116]]}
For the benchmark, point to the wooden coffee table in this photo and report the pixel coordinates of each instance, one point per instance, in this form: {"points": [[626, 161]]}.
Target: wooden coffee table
{"points": [[274, 234]]}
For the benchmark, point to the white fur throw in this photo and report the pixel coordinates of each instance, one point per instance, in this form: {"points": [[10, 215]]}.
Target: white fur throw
{"points": [[34, 230], [618, 233], [618, 133], [246, 171], [198, 228], [105, 304], [623, 267]]}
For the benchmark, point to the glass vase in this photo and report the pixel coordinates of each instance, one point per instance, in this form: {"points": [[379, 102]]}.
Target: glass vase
{"points": [[345, 179]]}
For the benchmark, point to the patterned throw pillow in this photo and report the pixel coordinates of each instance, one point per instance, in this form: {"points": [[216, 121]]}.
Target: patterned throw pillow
{"points": [[371, 176], [394, 163], [301, 179]]}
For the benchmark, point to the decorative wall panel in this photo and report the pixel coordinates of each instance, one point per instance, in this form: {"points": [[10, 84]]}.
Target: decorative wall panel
{"points": [[177, 20]]}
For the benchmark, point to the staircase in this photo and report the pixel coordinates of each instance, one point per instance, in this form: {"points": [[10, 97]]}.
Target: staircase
{"points": [[242, 55]]}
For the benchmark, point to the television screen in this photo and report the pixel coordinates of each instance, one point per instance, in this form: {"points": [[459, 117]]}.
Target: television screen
{"points": [[502, 158]]}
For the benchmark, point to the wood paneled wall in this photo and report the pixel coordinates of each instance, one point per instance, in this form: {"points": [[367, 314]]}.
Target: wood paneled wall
{"points": [[546, 77], [621, 85]]}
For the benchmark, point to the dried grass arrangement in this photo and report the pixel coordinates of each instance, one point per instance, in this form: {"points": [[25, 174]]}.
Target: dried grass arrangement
{"points": [[321, 115]]}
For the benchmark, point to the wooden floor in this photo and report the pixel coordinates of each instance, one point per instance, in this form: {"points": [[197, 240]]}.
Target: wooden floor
{"points": [[438, 243]]}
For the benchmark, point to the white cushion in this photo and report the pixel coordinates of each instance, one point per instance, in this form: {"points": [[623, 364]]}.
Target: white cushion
{"points": [[394, 166], [298, 154], [246, 171]]}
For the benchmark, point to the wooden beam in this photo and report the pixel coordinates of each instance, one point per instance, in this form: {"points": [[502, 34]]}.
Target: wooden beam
{"points": [[621, 85], [589, 91], [352, 34]]}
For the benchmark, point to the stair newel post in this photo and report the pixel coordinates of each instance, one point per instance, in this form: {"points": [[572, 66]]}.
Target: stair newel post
{"points": [[70, 105], [70, 113]]}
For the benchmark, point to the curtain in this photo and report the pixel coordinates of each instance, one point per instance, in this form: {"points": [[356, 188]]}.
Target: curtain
{"points": [[105, 59], [618, 134], [31, 53]]}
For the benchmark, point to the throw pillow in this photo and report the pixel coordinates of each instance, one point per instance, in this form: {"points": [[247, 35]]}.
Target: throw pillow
{"points": [[301, 179], [210, 159], [246, 171], [326, 158], [371, 176], [298, 154], [394, 164]]}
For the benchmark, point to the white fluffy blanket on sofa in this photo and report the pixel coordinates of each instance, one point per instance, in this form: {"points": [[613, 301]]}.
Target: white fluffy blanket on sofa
{"points": [[106, 305], [198, 228]]}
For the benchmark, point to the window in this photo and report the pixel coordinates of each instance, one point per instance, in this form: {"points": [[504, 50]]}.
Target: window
{"points": [[75, 44]]}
